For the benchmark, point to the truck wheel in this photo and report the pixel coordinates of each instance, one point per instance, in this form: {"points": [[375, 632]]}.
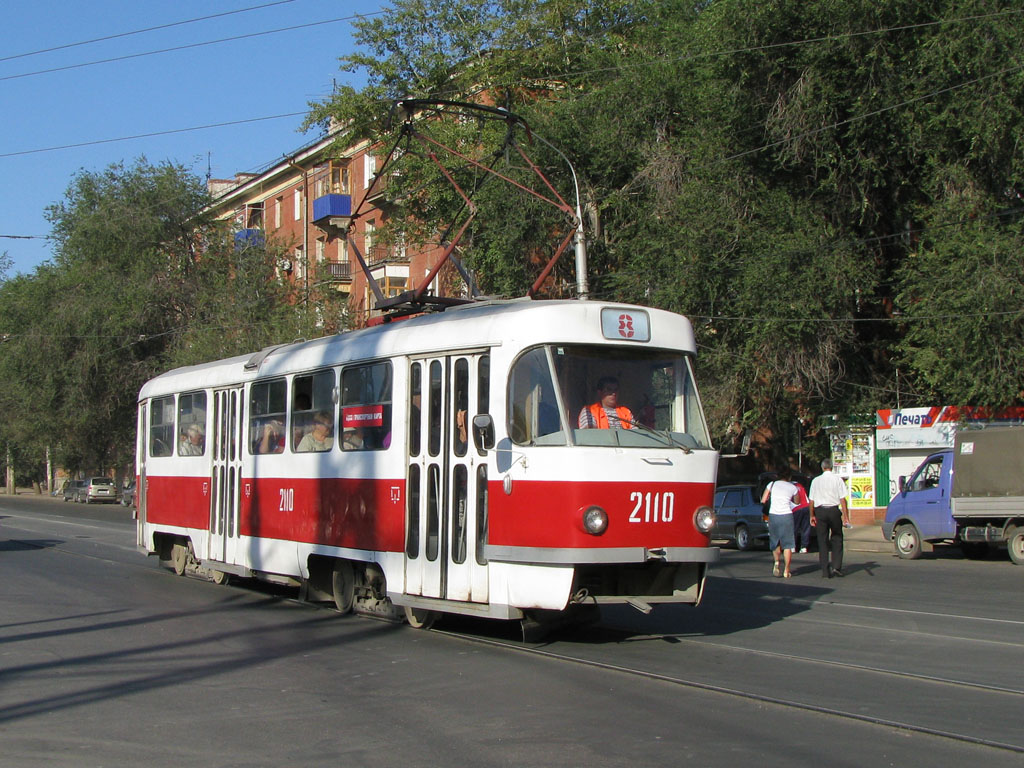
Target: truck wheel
{"points": [[907, 542], [742, 537], [1015, 544]]}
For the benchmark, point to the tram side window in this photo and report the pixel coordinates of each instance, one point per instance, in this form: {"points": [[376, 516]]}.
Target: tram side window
{"points": [[533, 407], [192, 424], [267, 401], [460, 413], [483, 389], [313, 412], [415, 411], [161, 427], [366, 407]]}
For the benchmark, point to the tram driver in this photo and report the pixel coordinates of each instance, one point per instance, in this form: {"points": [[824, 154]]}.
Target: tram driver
{"points": [[606, 413]]}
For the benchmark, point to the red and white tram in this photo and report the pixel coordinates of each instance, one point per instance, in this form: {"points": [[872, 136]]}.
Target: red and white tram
{"points": [[435, 464]]}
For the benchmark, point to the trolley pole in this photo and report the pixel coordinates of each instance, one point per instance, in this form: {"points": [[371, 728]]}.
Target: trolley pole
{"points": [[582, 286]]}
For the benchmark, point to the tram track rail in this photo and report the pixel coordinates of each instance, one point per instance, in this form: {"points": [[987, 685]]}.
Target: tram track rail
{"points": [[876, 720], [795, 704]]}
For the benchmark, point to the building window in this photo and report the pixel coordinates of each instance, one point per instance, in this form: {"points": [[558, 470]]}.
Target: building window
{"points": [[320, 246], [278, 202], [339, 177], [331, 178], [369, 169], [298, 204]]}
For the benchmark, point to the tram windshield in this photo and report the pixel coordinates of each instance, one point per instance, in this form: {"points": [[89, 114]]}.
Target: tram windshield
{"points": [[601, 395]]}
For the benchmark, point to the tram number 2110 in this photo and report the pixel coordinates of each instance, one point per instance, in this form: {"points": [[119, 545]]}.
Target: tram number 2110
{"points": [[652, 507]]}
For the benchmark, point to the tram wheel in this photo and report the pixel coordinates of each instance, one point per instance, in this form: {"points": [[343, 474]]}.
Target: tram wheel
{"points": [[219, 577], [179, 557], [420, 618], [343, 584]]}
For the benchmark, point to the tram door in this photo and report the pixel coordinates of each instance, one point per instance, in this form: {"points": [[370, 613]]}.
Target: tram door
{"points": [[447, 479], [225, 479]]}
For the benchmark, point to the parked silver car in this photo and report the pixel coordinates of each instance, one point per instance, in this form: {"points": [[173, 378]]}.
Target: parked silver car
{"points": [[73, 490], [738, 516], [100, 489]]}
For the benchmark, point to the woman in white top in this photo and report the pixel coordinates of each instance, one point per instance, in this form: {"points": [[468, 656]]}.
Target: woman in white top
{"points": [[783, 495]]}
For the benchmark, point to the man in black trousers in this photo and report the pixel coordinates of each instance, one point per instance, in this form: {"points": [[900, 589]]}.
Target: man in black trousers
{"points": [[828, 512]]}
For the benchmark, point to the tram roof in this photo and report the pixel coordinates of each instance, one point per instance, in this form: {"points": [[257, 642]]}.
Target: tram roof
{"points": [[478, 325]]}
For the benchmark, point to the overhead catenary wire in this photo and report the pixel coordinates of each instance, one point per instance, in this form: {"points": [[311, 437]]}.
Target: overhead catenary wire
{"points": [[185, 47], [156, 28]]}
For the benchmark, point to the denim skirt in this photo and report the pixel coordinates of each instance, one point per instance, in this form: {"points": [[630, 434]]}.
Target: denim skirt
{"points": [[780, 532]]}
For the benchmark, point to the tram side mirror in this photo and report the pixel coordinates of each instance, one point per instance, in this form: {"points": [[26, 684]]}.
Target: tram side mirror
{"points": [[483, 431]]}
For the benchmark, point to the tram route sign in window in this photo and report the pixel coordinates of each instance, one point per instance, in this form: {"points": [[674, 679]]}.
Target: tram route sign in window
{"points": [[366, 407], [625, 324]]}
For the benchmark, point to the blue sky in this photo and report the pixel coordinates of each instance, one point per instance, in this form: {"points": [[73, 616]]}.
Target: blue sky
{"points": [[255, 77]]}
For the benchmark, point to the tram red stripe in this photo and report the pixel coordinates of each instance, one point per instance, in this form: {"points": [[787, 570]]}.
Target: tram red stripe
{"points": [[340, 512], [548, 514]]}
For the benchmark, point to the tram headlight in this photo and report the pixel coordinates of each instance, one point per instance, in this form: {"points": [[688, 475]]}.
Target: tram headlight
{"points": [[704, 519], [595, 521]]}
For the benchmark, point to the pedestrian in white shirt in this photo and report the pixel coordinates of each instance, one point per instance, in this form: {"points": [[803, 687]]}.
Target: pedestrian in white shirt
{"points": [[828, 512], [781, 540]]}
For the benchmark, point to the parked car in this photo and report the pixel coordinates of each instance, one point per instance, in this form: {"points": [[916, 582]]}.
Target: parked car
{"points": [[128, 494], [100, 489], [73, 490], [738, 516]]}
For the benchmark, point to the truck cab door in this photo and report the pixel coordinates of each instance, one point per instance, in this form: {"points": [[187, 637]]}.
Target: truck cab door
{"points": [[926, 498]]}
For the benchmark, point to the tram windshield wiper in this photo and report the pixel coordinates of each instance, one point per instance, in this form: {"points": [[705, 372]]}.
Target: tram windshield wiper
{"points": [[665, 435]]}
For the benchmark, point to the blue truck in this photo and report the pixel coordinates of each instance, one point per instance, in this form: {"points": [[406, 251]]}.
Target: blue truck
{"points": [[972, 495]]}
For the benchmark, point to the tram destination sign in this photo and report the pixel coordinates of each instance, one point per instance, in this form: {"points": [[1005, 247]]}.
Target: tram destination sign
{"points": [[622, 324]]}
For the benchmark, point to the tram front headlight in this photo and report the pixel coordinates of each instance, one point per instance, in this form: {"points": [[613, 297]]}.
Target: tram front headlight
{"points": [[704, 519], [595, 521]]}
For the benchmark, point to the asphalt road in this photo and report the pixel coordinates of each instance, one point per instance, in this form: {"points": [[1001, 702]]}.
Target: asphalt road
{"points": [[108, 660]]}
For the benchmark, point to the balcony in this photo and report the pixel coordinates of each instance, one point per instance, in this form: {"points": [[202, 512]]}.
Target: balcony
{"points": [[332, 210], [339, 271], [382, 255], [248, 238]]}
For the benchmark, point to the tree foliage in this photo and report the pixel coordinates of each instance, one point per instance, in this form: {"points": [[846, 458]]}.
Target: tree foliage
{"points": [[831, 191], [141, 281]]}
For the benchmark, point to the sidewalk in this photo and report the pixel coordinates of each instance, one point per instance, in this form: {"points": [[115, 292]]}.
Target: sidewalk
{"points": [[866, 538]]}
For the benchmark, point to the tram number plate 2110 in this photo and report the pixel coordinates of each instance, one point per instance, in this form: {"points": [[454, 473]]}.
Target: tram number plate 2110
{"points": [[652, 507]]}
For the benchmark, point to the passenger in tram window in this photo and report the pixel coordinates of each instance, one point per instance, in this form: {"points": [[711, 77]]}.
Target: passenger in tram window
{"points": [[605, 412], [271, 437], [321, 438], [353, 439], [192, 442]]}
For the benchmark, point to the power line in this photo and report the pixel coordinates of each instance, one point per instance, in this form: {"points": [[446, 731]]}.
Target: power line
{"points": [[150, 135], [141, 31], [188, 46]]}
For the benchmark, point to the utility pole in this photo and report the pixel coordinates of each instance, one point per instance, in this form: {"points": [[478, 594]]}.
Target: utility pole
{"points": [[10, 472]]}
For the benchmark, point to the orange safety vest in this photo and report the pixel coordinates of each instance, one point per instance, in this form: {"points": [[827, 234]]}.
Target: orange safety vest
{"points": [[601, 418]]}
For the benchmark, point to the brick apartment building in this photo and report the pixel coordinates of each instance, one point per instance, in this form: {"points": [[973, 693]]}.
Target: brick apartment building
{"points": [[303, 204]]}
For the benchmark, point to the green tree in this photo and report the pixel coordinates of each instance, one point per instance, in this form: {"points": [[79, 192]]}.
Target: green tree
{"points": [[142, 280], [814, 184]]}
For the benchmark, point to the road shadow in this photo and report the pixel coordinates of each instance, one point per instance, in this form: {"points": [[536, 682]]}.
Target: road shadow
{"points": [[28, 545]]}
